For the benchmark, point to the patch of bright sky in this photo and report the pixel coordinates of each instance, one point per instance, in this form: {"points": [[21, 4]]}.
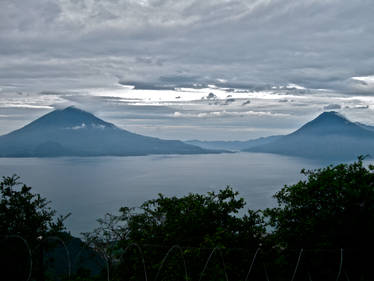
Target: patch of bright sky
{"points": [[189, 94], [281, 109], [367, 79]]}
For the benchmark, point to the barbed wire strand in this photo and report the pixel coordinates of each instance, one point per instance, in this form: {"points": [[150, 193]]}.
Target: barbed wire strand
{"points": [[167, 255], [208, 260], [142, 256], [107, 269], [66, 251], [28, 250], [341, 265], [297, 264], [252, 263], [180, 249], [346, 276]]}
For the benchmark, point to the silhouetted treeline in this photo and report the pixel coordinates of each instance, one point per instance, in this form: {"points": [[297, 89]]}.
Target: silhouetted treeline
{"points": [[321, 229]]}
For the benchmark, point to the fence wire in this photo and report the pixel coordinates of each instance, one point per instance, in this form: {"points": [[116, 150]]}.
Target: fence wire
{"points": [[299, 269]]}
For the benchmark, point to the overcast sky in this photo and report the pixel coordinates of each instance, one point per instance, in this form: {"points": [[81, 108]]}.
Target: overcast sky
{"points": [[271, 65]]}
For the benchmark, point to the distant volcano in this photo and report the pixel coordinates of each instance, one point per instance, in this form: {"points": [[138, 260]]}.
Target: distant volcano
{"points": [[330, 136], [74, 132], [333, 123]]}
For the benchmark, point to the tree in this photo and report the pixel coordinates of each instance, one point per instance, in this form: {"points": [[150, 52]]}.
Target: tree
{"points": [[25, 213], [25, 220], [197, 224], [332, 209]]}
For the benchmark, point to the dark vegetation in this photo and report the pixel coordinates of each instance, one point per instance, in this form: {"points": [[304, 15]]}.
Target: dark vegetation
{"points": [[321, 229]]}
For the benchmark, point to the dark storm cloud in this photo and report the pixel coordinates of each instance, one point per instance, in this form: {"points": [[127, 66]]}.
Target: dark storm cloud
{"points": [[318, 44]]}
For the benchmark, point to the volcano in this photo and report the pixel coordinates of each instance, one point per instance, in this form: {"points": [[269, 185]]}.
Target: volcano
{"points": [[75, 132], [330, 136]]}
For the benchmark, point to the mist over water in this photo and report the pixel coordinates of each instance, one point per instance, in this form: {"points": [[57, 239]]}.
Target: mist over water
{"points": [[90, 187]]}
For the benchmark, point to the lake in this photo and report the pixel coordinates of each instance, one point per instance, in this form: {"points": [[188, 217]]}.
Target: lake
{"points": [[89, 187]]}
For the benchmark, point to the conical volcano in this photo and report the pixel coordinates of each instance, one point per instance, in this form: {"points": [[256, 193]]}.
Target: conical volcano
{"points": [[69, 117], [75, 132], [332, 123], [330, 136]]}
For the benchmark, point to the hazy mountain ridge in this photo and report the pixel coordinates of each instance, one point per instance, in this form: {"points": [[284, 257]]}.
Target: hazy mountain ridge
{"points": [[74, 132], [330, 136], [233, 145]]}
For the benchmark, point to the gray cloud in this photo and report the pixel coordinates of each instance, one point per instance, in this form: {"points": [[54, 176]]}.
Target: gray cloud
{"points": [[332, 106], [58, 52], [318, 44]]}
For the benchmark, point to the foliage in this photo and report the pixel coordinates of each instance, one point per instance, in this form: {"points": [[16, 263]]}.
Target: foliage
{"points": [[194, 220], [332, 209], [25, 213], [197, 223], [104, 240], [25, 217]]}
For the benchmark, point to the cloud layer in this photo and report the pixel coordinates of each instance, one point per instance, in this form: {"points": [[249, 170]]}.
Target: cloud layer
{"points": [[319, 44], [55, 53]]}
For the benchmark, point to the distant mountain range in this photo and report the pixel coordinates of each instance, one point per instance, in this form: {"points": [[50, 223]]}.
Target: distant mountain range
{"points": [[74, 132], [330, 136], [233, 145]]}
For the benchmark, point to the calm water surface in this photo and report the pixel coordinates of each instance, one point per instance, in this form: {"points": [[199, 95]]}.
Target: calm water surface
{"points": [[90, 187]]}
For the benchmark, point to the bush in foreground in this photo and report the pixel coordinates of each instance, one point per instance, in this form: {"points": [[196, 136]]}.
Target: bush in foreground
{"points": [[25, 220], [197, 223], [332, 209]]}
